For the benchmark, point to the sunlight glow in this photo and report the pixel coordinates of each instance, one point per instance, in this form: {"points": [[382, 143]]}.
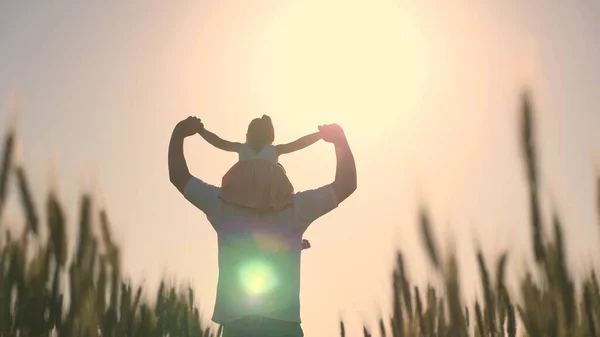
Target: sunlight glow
{"points": [[347, 61], [257, 278]]}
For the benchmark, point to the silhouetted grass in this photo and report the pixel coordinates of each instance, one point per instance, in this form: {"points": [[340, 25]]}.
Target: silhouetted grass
{"points": [[101, 303], [546, 307]]}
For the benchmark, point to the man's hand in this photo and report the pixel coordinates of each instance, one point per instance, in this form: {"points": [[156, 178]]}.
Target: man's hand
{"points": [[189, 126], [333, 133]]}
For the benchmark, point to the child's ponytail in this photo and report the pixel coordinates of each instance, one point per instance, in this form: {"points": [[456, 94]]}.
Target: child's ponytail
{"points": [[269, 130]]}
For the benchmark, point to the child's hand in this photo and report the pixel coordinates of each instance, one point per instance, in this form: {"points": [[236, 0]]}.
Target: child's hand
{"points": [[332, 133], [201, 128], [189, 126]]}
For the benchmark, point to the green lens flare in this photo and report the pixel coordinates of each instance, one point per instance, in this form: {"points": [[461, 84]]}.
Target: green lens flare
{"points": [[257, 277]]}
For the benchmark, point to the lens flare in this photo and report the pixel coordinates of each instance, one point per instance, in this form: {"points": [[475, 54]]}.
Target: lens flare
{"points": [[257, 277]]}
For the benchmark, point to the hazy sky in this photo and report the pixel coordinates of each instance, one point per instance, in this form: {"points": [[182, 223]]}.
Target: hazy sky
{"points": [[427, 93]]}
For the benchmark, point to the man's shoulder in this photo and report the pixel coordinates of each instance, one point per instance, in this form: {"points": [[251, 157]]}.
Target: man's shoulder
{"points": [[204, 196], [312, 204], [199, 186], [315, 193]]}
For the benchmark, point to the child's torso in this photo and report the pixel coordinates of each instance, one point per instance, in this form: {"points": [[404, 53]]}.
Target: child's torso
{"points": [[268, 152]]}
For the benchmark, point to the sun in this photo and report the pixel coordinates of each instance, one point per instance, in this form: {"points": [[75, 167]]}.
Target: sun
{"points": [[347, 61]]}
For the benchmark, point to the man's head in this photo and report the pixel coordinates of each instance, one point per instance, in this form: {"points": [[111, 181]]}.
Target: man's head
{"points": [[282, 168]]}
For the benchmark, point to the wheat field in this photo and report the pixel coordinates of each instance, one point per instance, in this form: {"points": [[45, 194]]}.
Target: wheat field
{"points": [[46, 290]]}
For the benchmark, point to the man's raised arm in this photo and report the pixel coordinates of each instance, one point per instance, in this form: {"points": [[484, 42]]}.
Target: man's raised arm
{"points": [[345, 173], [312, 204], [179, 174]]}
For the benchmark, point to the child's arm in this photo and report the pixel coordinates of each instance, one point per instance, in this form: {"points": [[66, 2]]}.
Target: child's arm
{"points": [[218, 142], [298, 144]]}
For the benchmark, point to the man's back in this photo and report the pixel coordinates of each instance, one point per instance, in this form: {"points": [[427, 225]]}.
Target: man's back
{"points": [[259, 253]]}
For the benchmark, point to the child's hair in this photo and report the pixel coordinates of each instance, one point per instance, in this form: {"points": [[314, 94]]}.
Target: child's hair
{"points": [[260, 132]]}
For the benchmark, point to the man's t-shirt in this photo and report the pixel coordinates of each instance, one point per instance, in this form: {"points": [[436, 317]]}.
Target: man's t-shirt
{"points": [[259, 253]]}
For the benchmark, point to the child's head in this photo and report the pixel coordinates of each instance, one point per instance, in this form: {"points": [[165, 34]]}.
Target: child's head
{"points": [[260, 132]]}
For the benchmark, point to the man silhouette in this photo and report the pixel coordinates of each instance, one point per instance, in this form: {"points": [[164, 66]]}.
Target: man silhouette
{"points": [[258, 291]]}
